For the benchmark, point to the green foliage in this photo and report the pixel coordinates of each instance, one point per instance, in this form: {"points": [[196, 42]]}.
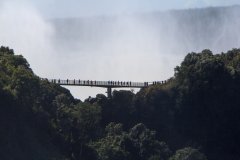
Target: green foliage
{"points": [[46, 110], [114, 129], [207, 99], [21, 136], [118, 109], [86, 119], [139, 143], [77, 126], [188, 154], [198, 107], [112, 147], [144, 140], [109, 148]]}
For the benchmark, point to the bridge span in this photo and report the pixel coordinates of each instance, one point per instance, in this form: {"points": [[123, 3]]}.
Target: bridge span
{"points": [[105, 84]]}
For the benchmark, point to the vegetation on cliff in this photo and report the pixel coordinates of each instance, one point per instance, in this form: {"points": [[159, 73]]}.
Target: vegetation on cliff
{"points": [[194, 116]]}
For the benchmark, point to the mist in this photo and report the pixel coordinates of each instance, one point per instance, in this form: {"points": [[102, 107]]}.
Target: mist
{"points": [[133, 47]]}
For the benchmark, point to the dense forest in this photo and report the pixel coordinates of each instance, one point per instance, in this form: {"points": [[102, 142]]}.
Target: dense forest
{"points": [[194, 116]]}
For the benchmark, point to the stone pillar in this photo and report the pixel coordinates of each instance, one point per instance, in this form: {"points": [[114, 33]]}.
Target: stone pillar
{"points": [[109, 92]]}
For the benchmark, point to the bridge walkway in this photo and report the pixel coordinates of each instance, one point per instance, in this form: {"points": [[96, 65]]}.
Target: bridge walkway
{"points": [[105, 84]]}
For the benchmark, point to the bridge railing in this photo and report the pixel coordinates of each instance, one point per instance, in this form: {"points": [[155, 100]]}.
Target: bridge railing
{"points": [[99, 83], [104, 83]]}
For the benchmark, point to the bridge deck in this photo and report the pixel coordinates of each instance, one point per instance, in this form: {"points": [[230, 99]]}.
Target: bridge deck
{"points": [[105, 84]]}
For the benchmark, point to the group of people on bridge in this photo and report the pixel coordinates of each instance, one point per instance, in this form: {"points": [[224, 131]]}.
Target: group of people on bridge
{"points": [[105, 83], [159, 82]]}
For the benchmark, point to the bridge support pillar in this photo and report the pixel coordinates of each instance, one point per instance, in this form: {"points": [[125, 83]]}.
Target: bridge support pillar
{"points": [[109, 92]]}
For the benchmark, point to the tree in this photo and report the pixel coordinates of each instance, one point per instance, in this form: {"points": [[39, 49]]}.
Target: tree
{"points": [[112, 147], [139, 143], [188, 153]]}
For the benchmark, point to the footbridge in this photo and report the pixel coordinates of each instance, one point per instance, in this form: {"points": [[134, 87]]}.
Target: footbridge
{"points": [[104, 84]]}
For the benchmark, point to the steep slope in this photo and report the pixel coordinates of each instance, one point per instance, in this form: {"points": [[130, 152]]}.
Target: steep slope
{"points": [[199, 106], [23, 118]]}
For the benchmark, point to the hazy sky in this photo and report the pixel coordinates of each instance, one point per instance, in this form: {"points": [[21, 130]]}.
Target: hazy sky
{"points": [[76, 8], [96, 48]]}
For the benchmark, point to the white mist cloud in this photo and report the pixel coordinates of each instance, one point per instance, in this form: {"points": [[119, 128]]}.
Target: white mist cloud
{"points": [[124, 48], [23, 29], [143, 47], [140, 47]]}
